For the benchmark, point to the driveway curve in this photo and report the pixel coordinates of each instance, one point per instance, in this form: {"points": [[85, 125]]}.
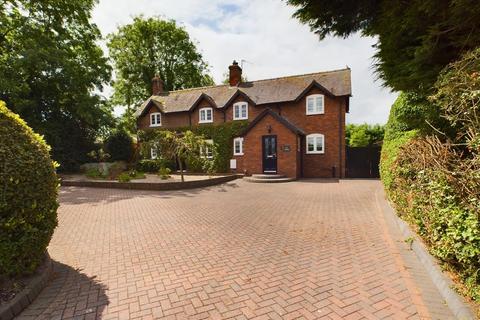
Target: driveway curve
{"points": [[309, 249]]}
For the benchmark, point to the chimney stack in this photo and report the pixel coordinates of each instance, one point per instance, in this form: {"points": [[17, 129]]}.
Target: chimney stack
{"points": [[235, 75], [157, 85]]}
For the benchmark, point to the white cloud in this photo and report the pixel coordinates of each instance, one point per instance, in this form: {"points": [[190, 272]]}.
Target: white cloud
{"points": [[265, 35]]}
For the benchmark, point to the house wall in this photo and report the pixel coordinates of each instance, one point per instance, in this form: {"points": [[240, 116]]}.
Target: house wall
{"points": [[218, 116], [307, 165], [320, 165], [287, 162], [169, 120]]}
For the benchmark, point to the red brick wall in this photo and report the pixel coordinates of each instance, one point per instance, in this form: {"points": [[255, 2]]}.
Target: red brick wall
{"points": [[252, 148], [320, 165]]}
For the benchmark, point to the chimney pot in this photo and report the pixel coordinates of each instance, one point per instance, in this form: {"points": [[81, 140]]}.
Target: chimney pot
{"points": [[157, 85], [235, 74]]}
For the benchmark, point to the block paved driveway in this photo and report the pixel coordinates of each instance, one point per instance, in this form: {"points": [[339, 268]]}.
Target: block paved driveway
{"points": [[300, 250]]}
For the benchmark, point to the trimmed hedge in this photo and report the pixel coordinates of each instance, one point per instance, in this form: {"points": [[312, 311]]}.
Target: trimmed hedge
{"points": [[28, 196], [433, 176]]}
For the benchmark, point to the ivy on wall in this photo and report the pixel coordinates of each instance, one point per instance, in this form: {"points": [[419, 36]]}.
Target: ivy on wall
{"points": [[222, 136]]}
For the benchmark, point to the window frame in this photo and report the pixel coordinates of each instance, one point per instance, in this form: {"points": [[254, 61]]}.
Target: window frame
{"points": [[314, 97], [315, 136], [205, 109], [153, 153], [235, 153], [205, 153], [239, 105], [154, 115]]}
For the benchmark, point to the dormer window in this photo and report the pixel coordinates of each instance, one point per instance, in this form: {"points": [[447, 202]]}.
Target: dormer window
{"points": [[155, 119], [205, 115], [240, 111], [315, 104]]}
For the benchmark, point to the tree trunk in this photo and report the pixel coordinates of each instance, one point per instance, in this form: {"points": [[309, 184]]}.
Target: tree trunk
{"points": [[181, 168]]}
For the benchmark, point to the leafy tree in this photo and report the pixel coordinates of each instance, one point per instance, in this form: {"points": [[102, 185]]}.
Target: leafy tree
{"points": [[179, 146], [147, 47], [363, 135], [416, 39], [50, 65], [119, 145]]}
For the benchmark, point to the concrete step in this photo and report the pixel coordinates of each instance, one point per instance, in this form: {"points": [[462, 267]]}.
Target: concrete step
{"points": [[268, 180], [268, 176]]}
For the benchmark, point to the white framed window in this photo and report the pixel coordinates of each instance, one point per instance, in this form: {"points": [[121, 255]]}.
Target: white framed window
{"points": [[155, 119], [240, 111], [208, 151], [153, 153], [238, 146], [315, 104], [315, 143], [205, 115]]}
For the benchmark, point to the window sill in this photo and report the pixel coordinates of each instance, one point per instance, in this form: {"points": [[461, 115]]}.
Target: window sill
{"points": [[314, 113], [315, 152], [205, 121], [240, 119], [238, 154], [155, 125]]}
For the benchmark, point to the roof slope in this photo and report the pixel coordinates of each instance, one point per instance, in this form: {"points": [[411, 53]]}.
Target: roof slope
{"points": [[275, 90], [277, 117]]}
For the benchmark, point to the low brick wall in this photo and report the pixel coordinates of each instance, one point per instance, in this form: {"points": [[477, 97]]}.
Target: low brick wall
{"points": [[163, 186], [33, 285]]}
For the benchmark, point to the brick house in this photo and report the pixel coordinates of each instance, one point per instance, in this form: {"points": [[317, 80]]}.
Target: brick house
{"points": [[296, 124]]}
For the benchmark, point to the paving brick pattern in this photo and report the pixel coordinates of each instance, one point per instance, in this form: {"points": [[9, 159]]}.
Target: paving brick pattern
{"points": [[302, 250]]}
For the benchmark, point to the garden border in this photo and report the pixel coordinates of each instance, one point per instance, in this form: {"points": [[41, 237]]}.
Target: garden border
{"points": [[444, 283], [157, 186], [34, 285]]}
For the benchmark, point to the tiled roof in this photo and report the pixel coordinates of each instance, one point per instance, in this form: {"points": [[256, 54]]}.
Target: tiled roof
{"points": [[283, 89]]}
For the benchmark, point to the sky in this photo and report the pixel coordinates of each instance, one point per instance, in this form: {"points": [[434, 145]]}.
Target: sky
{"points": [[267, 38]]}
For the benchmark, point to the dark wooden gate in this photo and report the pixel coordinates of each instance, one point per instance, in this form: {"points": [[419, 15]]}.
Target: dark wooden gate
{"points": [[363, 162]]}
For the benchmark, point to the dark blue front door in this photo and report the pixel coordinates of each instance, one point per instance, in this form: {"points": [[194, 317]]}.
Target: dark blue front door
{"points": [[269, 147]]}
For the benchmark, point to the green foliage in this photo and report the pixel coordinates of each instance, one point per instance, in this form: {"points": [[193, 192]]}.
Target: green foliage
{"points": [[222, 136], [153, 165], [181, 146], [124, 177], [164, 173], [95, 173], [119, 145], [434, 179], [50, 67], [458, 96], [134, 174], [154, 46], [28, 196], [416, 39], [363, 135]]}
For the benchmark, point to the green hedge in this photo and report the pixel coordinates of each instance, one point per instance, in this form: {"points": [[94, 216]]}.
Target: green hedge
{"points": [[28, 196], [432, 176]]}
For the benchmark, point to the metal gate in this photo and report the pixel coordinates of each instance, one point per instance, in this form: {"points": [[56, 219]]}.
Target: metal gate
{"points": [[363, 162]]}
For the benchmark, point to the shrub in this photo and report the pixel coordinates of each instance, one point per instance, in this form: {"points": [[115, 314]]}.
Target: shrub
{"points": [[28, 196], [94, 173], [119, 145], [164, 173], [153, 165], [434, 179], [124, 177]]}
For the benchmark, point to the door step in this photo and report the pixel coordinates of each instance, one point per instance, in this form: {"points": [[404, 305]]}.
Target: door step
{"points": [[268, 178]]}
